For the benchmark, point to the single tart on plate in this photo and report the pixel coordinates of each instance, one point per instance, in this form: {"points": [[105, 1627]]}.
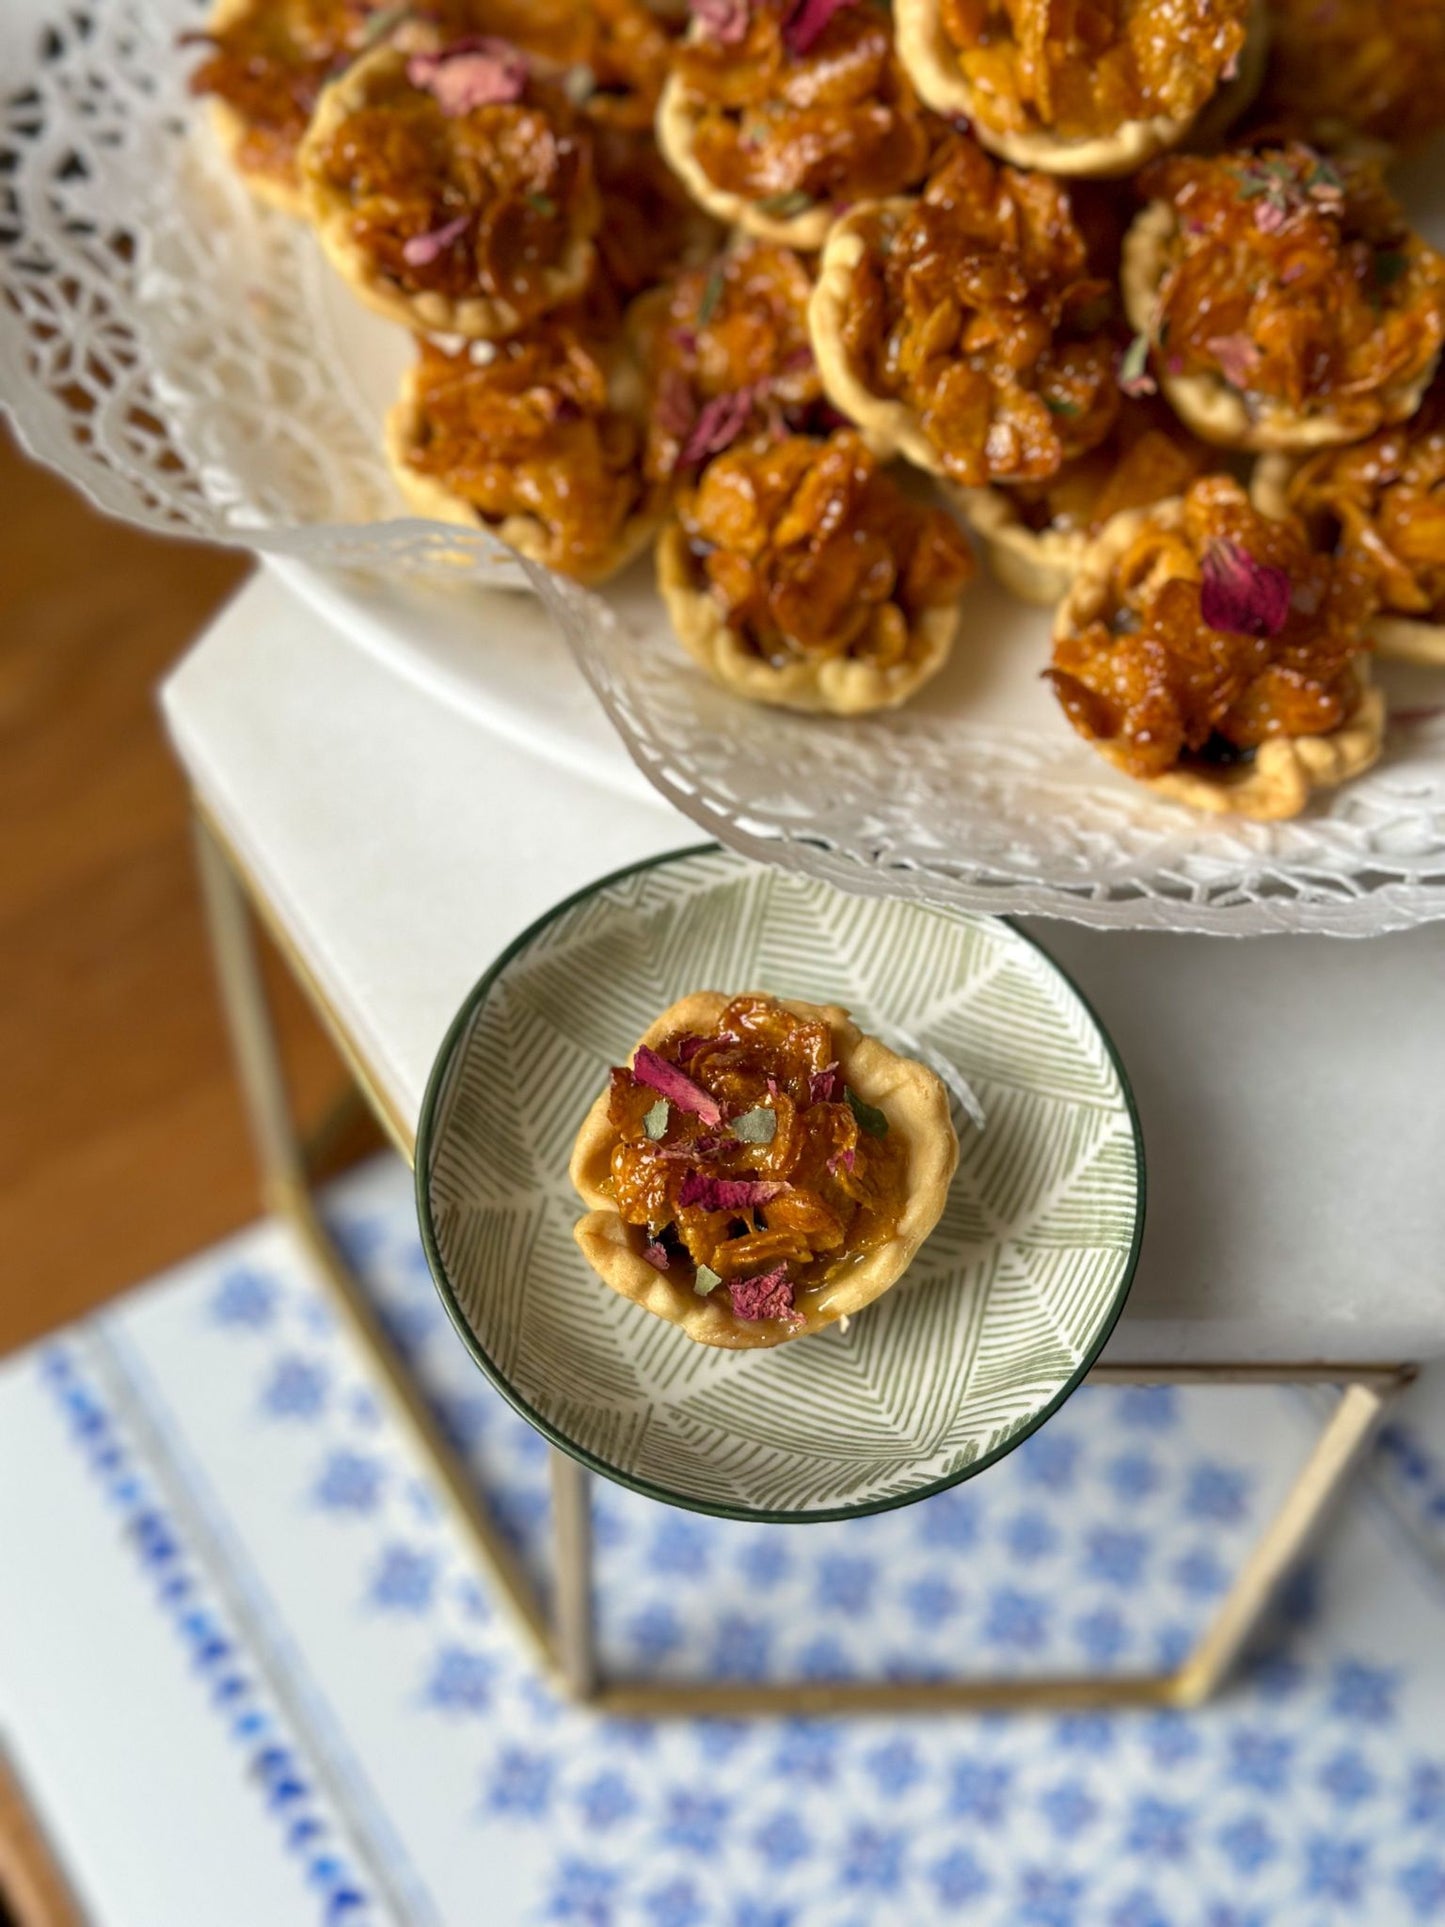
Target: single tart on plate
{"points": [[1210, 653], [1037, 533], [1286, 303], [1381, 503], [760, 1169], [963, 327], [798, 573], [725, 350], [538, 438], [1093, 89], [1346, 71], [453, 190], [778, 112]]}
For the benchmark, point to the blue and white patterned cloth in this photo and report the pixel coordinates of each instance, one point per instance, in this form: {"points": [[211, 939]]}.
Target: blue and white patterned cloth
{"points": [[395, 1757]]}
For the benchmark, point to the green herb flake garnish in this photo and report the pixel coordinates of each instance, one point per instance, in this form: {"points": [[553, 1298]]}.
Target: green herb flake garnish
{"points": [[1389, 267], [542, 204], [871, 1121], [655, 1121], [711, 295], [1135, 364], [706, 1280], [787, 205], [1061, 405], [379, 24], [579, 83], [757, 1126]]}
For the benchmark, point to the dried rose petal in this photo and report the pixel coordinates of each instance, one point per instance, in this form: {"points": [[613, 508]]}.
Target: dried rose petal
{"points": [[770, 1296], [725, 21], [727, 1194], [658, 1075], [1270, 214], [656, 1255], [689, 1045], [718, 426], [1238, 358], [422, 249], [806, 22], [825, 1087], [1240, 596], [672, 410], [844, 1160], [476, 72]]}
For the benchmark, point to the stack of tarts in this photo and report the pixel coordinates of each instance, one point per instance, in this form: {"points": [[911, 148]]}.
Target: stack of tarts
{"points": [[797, 291]]}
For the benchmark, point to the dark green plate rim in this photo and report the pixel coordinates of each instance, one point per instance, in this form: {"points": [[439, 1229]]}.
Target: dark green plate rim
{"points": [[757, 1516]]}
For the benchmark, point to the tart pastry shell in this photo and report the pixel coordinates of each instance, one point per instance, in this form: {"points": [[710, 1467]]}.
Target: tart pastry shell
{"points": [[274, 190], [932, 62], [829, 685], [1207, 404], [1286, 770], [888, 427], [678, 115], [429, 496], [1037, 565], [912, 1099], [1397, 638], [477, 317]]}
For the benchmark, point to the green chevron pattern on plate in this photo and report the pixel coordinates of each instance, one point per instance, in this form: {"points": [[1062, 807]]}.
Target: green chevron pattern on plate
{"points": [[1005, 1307]]}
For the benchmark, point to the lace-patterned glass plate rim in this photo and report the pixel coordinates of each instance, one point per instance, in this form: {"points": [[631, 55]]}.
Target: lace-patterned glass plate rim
{"points": [[179, 355], [1104, 1188]]}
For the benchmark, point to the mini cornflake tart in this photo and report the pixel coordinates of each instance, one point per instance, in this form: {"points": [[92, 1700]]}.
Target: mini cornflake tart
{"points": [[761, 1169], [1342, 71], [963, 327], [1381, 503], [1037, 534], [1284, 300], [780, 112], [538, 439], [726, 352], [1088, 90], [453, 189], [1211, 654], [265, 66], [798, 574]]}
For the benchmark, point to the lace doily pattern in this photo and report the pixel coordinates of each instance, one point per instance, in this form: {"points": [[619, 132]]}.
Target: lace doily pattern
{"points": [[164, 343]]}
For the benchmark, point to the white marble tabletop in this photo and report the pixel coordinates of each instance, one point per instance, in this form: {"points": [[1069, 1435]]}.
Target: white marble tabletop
{"points": [[1292, 1089]]}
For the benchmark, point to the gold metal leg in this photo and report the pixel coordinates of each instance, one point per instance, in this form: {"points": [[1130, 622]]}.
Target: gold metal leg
{"points": [[572, 1554], [286, 1189], [564, 1642]]}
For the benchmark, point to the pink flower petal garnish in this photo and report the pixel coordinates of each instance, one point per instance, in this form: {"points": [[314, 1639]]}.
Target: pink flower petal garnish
{"points": [[476, 72], [718, 426], [656, 1255], [675, 1085], [727, 1194], [422, 249], [1238, 358], [1270, 215], [725, 21], [807, 20], [1240, 596], [770, 1296], [844, 1160], [825, 1087], [672, 409]]}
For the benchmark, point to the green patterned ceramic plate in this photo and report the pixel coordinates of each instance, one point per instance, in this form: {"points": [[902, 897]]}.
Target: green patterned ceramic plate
{"points": [[1005, 1308]]}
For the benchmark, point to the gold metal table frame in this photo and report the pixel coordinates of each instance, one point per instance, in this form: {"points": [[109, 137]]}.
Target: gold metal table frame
{"points": [[563, 1640]]}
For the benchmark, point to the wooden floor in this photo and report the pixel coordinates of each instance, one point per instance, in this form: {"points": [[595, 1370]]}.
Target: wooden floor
{"points": [[122, 1146]]}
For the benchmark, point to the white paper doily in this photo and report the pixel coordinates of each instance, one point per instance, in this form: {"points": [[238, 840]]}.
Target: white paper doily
{"points": [[169, 348]]}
